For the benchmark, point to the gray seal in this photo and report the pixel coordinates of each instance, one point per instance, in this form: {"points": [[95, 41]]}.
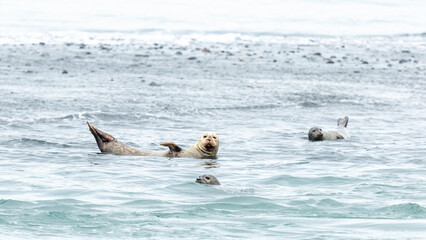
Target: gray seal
{"points": [[317, 134], [207, 146], [207, 179]]}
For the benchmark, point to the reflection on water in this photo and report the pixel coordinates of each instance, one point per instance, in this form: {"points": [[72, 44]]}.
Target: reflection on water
{"points": [[209, 164]]}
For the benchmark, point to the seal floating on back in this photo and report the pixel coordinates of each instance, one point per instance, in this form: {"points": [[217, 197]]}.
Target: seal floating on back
{"points": [[317, 134], [206, 147], [207, 179]]}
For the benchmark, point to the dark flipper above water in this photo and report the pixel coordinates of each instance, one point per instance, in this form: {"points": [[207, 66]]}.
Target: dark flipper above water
{"points": [[174, 148], [101, 138], [343, 121]]}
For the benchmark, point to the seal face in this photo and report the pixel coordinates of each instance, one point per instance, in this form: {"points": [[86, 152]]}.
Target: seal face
{"points": [[207, 179], [317, 134], [208, 144]]}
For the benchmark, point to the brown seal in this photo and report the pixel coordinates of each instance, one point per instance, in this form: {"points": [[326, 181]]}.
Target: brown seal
{"points": [[206, 147], [317, 134], [207, 179]]}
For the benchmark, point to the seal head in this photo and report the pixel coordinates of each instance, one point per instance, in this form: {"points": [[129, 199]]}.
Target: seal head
{"points": [[315, 134], [207, 179], [208, 144]]}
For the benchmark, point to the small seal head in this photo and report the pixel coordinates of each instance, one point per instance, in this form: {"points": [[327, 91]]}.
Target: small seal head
{"points": [[207, 179], [208, 143], [315, 134]]}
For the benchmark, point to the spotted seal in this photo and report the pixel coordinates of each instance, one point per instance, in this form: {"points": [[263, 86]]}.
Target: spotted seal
{"points": [[207, 179], [206, 147], [317, 134]]}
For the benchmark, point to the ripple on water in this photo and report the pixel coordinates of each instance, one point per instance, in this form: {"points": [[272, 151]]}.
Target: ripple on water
{"points": [[404, 210], [30, 142]]}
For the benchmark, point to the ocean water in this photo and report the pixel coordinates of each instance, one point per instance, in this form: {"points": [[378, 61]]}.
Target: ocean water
{"points": [[142, 76], [270, 17]]}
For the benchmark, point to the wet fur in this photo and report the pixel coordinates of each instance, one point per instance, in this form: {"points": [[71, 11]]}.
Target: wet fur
{"points": [[317, 134], [207, 179], [109, 144]]}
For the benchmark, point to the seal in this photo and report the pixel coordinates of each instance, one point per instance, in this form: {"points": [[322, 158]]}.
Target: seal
{"points": [[206, 147], [317, 134], [207, 179]]}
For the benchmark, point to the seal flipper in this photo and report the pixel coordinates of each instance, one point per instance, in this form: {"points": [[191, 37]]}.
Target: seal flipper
{"points": [[338, 136], [101, 138], [174, 148], [343, 121]]}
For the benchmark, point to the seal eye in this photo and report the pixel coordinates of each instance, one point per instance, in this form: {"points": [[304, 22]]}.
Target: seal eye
{"points": [[320, 129], [208, 178], [205, 136], [214, 137]]}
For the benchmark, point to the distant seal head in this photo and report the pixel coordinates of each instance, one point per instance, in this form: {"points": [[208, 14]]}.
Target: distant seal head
{"points": [[317, 134], [207, 179], [206, 147]]}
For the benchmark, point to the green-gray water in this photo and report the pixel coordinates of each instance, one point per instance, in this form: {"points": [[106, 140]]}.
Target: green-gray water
{"points": [[259, 96]]}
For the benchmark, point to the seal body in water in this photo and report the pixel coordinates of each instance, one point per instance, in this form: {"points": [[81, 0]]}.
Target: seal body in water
{"points": [[206, 147], [207, 179], [317, 134]]}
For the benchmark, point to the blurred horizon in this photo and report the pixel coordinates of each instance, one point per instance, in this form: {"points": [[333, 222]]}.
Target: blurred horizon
{"points": [[259, 18]]}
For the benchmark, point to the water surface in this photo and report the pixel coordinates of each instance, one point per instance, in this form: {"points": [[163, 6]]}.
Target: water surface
{"points": [[259, 92]]}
